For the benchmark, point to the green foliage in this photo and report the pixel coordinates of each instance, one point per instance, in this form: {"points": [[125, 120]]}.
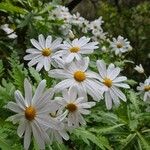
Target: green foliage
{"points": [[8, 7]]}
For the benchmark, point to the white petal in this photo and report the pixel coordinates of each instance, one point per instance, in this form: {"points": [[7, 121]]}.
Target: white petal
{"points": [[31, 56], [120, 79], [38, 137], [46, 64], [114, 73], [39, 91], [64, 135], [21, 128], [101, 66], [48, 41], [93, 89], [14, 107], [114, 98], [69, 58], [33, 50], [59, 74], [28, 92], [84, 111], [123, 85], [40, 65], [35, 61], [19, 99], [27, 137], [119, 93], [42, 41], [35, 43], [81, 120], [108, 100], [64, 84], [72, 93], [56, 44]]}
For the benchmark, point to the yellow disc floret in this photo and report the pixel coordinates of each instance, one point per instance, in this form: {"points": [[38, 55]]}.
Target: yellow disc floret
{"points": [[74, 49], [119, 45], [79, 76], [107, 82], [46, 52], [71, 107], [147, 88], [30, 113]]}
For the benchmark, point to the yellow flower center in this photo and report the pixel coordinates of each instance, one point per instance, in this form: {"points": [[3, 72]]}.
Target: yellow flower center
{"points": [[79, 76], [74, 49], [71, 107], [107, 82], [147, 88], [30, 113], [46, 52], [119, 45]]}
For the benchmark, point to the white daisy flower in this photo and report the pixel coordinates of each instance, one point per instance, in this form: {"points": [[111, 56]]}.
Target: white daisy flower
{"points": [[75, 49], [32, 114], [112, 82], [44, 52], [120, 45], [77, 74], [9, 31], [58, 134], [139, 68], [75, 107], [145, 89], [96, 24]]}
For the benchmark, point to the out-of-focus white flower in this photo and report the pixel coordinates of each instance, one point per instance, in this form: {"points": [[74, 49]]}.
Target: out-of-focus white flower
{"points": [[77, 74], [12, 34], [62, 13], [77, 19], [33, 114], [96, 24], [71, 35], [98, 35], [144, 88], [104, 49], [111, 81], [120, 45], [139, 69], [75, 107], [76, 48], [44, 52], [58, 133]]}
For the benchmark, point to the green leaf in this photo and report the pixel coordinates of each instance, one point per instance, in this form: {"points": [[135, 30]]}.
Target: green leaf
{"points": [[106, 129], [35, 75], [145, 144], [3, 144], [26, 20], [127, 141], [86, 135], [8, 7], [1, 68]]}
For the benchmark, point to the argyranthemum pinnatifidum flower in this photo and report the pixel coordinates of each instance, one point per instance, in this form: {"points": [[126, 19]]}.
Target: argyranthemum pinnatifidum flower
{"points": [[76, 48], [44, 52], [111, 81], [32, 114], [75, 107], [58, 133], [145, 89], [77, 74], [120, 45]]}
